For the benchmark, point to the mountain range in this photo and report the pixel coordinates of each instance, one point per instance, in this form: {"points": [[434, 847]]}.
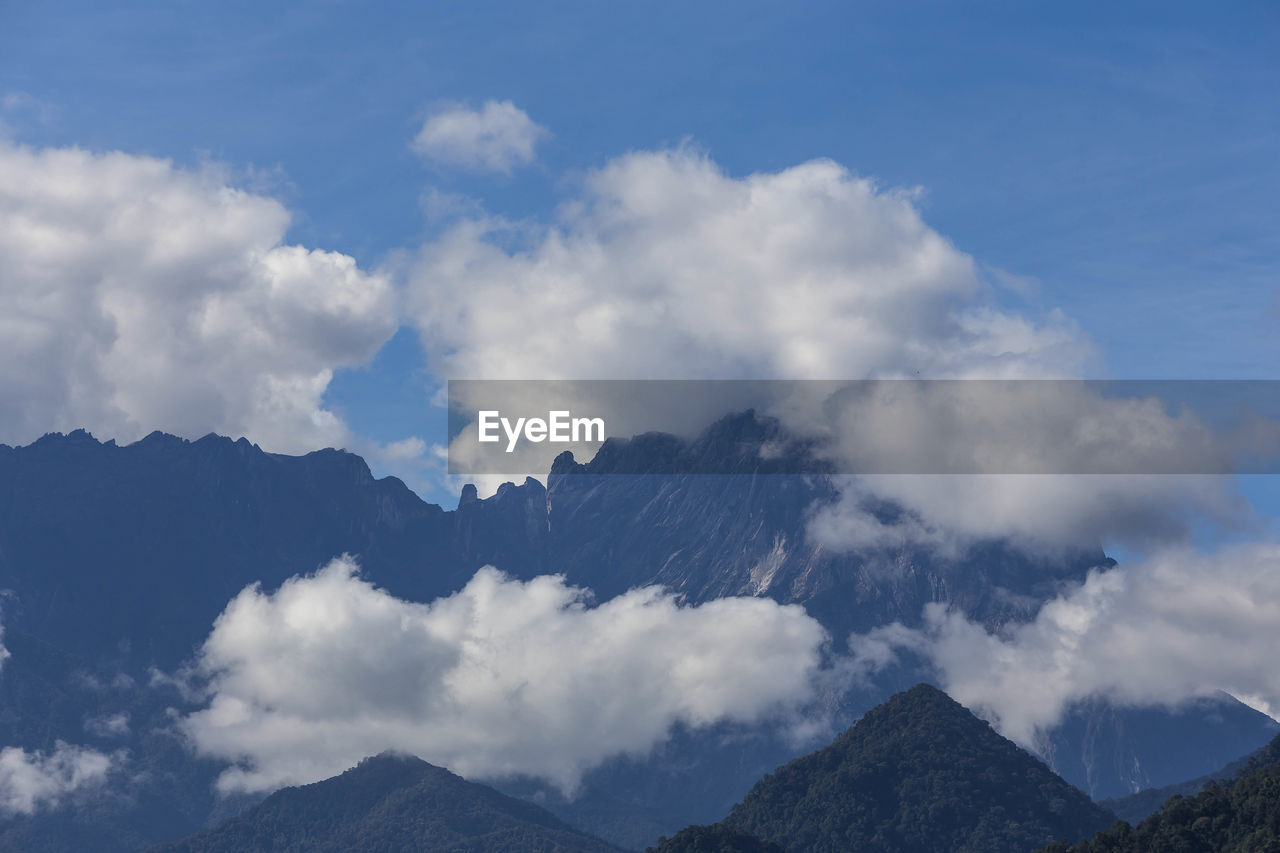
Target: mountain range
{"points": [[116, 560]]}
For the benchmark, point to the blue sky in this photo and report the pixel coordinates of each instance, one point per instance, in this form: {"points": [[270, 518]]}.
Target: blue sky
{"points": [[1122, 160]]}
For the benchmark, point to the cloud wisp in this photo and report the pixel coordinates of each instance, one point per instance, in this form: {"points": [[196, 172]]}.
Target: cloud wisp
{"points": [[1178, 626], [504, 677], [33, 780], [497, 137]]}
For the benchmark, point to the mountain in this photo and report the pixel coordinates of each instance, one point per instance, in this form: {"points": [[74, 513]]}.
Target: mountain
{"points": [[709, 535], [391, 802], [129, 553], [918, 774], [1111, 752], [716, 838], [1241, 816], [115, 561], [1135, 807]]}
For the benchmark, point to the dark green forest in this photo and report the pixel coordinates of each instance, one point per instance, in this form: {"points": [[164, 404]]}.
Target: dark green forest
{"points": [[716, 838], [918, 774], [392, 802]]}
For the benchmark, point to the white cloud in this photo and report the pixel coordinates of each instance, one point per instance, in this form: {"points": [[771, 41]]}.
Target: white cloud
{"points": [[663, 266], [1178, 626], [495, 138], [32, 780], [1045, 465], [1043, 515], [503, 677], [135, 296], [666, 267], [112, 725]]}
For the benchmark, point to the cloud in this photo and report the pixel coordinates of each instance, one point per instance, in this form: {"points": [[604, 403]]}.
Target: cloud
{"points": [[32, 780], [495, 138], [1042, 515], [135, 295], [1178, 626], [666, 267], [113, 725], [1044, 465], [504, 677]]}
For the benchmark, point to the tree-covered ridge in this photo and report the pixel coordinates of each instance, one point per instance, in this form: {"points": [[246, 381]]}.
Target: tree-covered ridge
{"points": [[918, 774], [392, 802], [716, 838], [1242, 816]]}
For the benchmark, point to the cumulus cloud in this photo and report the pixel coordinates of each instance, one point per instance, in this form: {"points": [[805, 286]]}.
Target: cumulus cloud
{"points": [[33, 780], [495, 138], [666, 267], [135, 295], [1178, 626], [504, 677]]}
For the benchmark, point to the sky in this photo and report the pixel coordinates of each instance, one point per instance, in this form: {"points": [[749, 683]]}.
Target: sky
{"points": [[1115, 165], [294, 221]]}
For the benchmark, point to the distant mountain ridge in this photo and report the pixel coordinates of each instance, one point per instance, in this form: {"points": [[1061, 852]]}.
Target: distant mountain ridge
{"points": [[1136, 807], [119, 558], [1241, 815]]}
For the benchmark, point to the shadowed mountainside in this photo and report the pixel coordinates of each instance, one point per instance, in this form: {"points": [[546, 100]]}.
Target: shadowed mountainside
{"points": [[391, 802]]}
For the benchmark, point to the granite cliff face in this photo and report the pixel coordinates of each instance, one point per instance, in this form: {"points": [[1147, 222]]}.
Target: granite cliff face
{"points": [[709, 535]]}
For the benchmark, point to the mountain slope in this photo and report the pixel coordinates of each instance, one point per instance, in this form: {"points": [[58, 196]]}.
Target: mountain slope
{"points": [[122, 557], [129, 553], [709, 535], [1135, 807], [391, 802], [1242, 816], [1111, 752], [918, 774], [716, 838]]}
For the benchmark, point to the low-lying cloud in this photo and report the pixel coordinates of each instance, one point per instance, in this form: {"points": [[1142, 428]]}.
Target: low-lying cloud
{"points": [[504, 677], [1178, 626], [33, 780]]}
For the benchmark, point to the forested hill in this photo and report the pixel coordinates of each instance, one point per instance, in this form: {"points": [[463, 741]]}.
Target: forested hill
{"points": [[717, 838], [392, 802], [1240, 816], [918, 774]]}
